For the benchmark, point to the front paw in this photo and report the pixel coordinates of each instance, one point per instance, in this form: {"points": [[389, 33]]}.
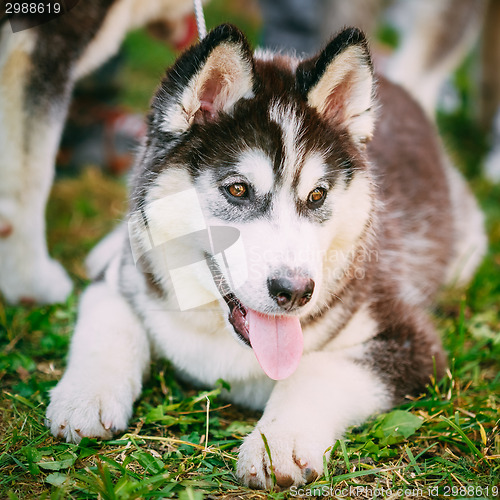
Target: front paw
{"points": [[79, 408], [296, 459]]}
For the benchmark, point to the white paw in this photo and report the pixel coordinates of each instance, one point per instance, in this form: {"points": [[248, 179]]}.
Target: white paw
{"points": [[42, 282], [79, 408], [296, 458]]}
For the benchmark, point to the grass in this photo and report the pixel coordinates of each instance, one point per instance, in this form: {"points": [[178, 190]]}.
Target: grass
{"points": [[445, 443]]}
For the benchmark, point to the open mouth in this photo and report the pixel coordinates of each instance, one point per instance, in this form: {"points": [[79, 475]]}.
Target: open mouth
{"points": [[238, 317], [276, 340], [237, 311]]}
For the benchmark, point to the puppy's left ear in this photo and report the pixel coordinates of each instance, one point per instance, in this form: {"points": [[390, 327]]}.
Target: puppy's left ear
{"points": [[339, 84]]}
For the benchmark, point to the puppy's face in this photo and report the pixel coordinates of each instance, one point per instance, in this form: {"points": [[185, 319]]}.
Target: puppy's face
{"points": [[255, 168], [298, 201]]}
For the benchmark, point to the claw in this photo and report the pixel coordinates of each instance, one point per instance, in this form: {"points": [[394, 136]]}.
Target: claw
{"points": [[310, 475], [5, 230], [60, 431], [253, 471]]}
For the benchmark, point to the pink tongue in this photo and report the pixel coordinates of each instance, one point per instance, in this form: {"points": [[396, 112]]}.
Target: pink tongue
{"points": [[277, 343]]}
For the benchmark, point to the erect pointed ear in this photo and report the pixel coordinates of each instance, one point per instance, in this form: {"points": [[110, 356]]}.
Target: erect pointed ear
{"points": [[339, 84], [207, 79]]}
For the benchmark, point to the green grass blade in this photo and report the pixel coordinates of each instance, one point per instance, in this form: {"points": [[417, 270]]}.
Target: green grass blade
{"points": [[468, 442]]}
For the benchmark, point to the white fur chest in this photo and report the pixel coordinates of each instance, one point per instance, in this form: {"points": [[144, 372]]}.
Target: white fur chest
{"points": [[201, 347]]}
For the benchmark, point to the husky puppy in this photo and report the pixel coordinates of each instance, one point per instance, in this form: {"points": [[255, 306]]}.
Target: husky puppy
{"points": [[38, 69], [290, 220]]}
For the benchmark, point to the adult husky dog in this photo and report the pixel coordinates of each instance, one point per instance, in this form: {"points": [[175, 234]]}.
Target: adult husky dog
{"points": [[289, 221], [38, 70]]}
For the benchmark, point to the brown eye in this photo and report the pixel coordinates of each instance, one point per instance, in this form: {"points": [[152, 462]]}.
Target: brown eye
{"points": [[238, 190], [316, 195]]}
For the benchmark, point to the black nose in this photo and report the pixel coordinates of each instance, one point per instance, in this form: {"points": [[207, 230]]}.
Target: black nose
{"points": [[290, 290]]}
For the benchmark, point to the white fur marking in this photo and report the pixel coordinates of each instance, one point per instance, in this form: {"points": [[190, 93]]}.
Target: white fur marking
{"points": [[360, 328], [256, 166], [290, 124], [310, 175]]}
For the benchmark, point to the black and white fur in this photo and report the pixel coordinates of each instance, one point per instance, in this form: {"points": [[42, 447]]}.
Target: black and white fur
{"points": [[395, 223]]}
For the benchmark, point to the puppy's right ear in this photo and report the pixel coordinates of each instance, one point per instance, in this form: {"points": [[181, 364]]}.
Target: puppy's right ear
{"points": [[339, 84], [206, 80]]}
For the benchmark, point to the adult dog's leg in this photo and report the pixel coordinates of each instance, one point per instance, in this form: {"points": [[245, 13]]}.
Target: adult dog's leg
{"points": [[28, 143], [108, 357], [490, 88], [436, 38], [38, 68]]}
